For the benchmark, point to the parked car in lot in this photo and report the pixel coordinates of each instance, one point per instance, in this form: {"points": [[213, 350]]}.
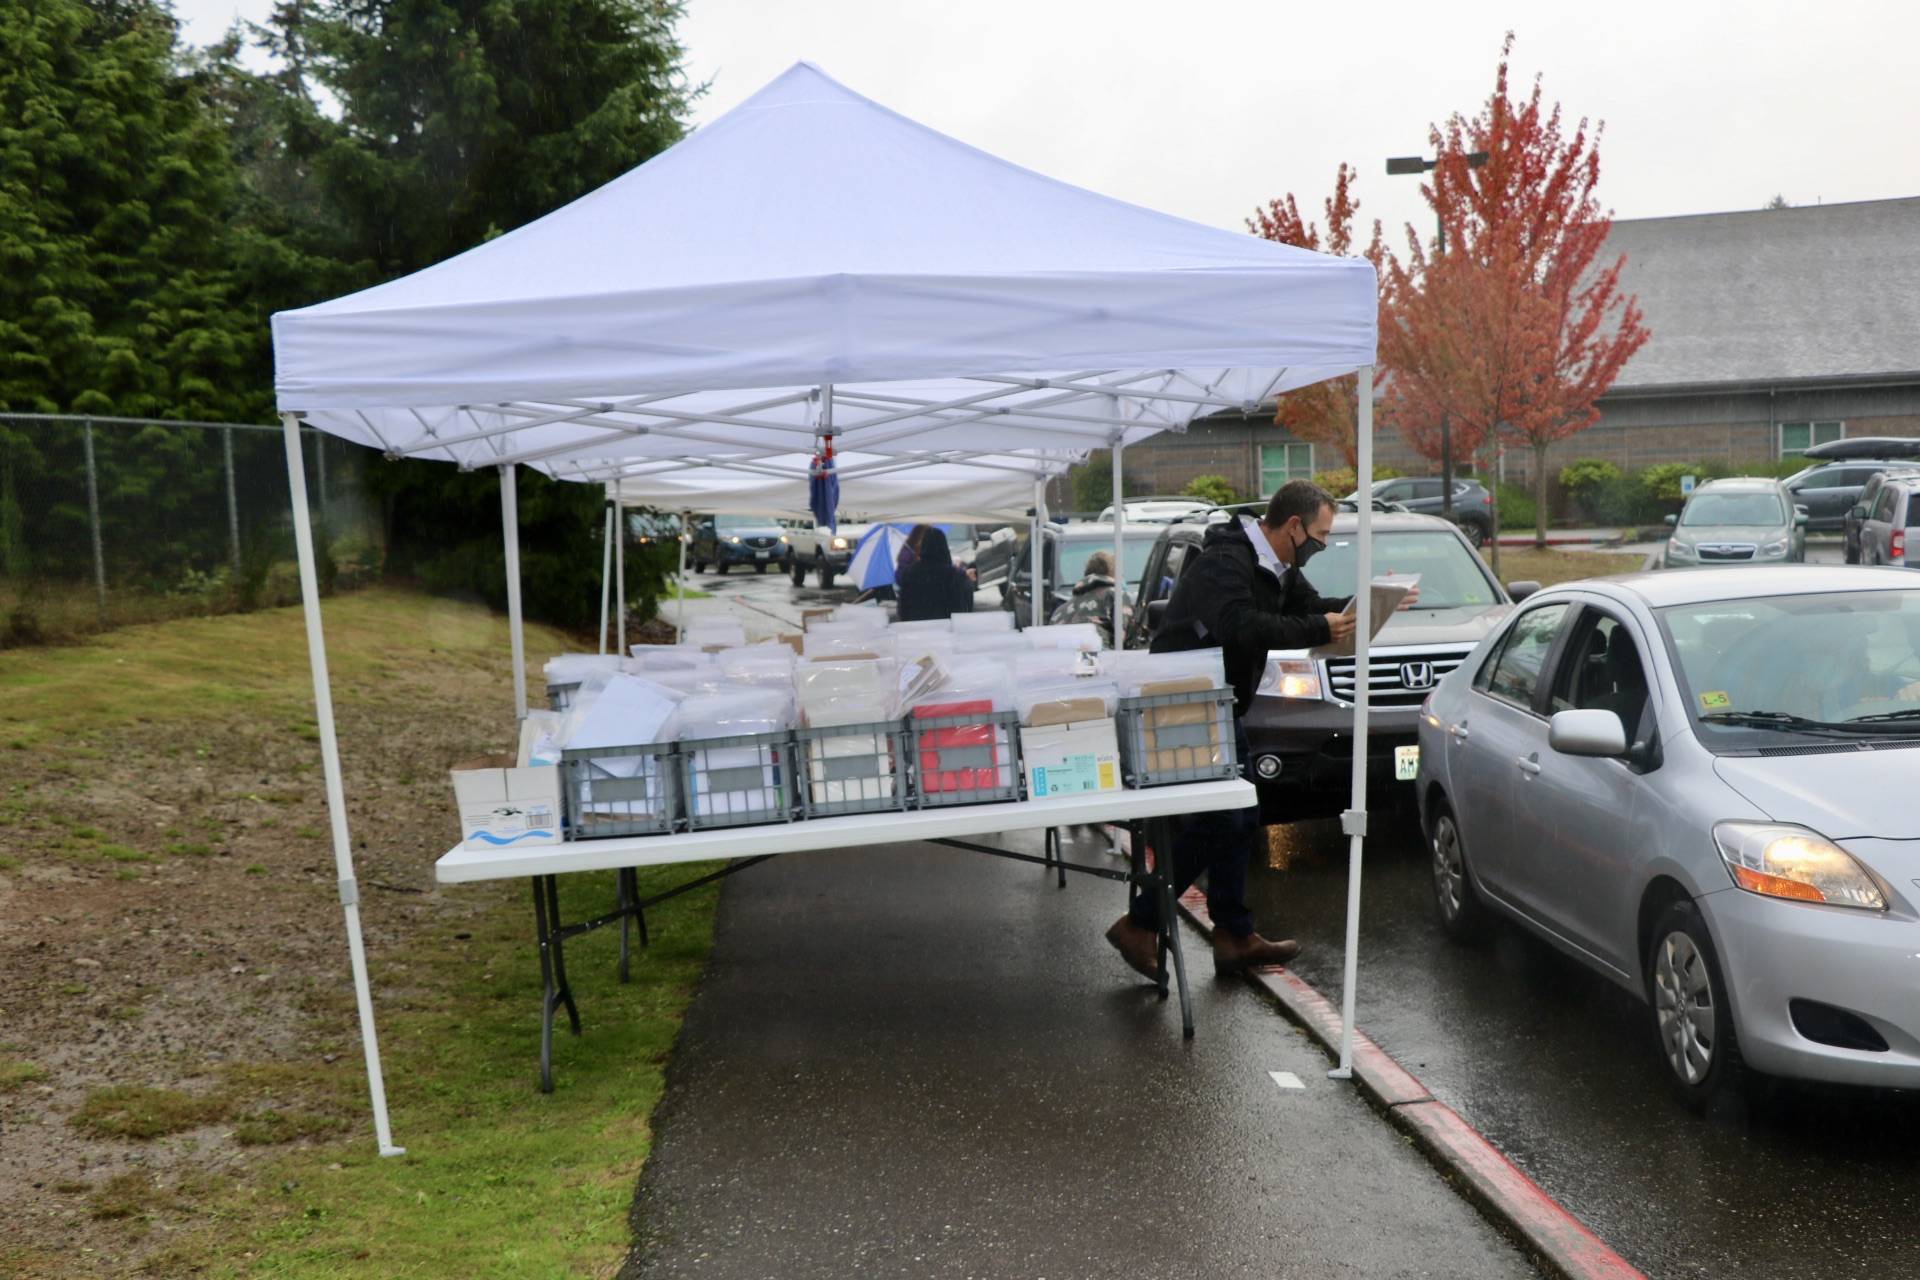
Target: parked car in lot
{"points": [[1064, 551], [1737, 522], [725, 541], [1700, 785], [1829, 489], [1300, 727], [1472, 504], [1159, 510], [1884, 526], [825, 553]]}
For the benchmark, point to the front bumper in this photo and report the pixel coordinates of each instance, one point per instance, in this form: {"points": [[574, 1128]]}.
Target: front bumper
{"points": [[1312, 742], [1773, 952], [741, 553]]}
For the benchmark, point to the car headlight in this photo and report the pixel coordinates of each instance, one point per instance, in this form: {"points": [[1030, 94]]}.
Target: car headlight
{"points": [[1774, 548], [783, 539], [1291, 678], [735, 539], [839, 544], [1779, 860], [1678, 550]]}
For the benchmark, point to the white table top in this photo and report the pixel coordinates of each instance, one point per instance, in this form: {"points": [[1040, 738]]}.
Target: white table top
{"points": [[460, 865]]}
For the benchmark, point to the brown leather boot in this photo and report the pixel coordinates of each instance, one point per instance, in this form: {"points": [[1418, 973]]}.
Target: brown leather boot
{"points": [[1137, 945], [1233, 954]]}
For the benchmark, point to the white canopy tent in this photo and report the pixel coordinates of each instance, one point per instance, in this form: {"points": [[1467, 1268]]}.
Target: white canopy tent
{"points": [[811, 265]]}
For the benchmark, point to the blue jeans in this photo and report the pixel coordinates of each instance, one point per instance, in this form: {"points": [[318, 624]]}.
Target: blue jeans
{"points": [[1221, 844]]}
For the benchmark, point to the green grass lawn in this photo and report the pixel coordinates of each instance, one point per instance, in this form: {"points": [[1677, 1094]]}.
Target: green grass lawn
{"points": [[267, 1166]]}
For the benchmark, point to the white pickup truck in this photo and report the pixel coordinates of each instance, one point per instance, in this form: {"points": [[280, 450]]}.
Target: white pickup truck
{"points": [[824, 553]]}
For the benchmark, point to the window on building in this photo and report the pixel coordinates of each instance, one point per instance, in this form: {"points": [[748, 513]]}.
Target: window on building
{"points": [[1280, 463], [1798, 437]]}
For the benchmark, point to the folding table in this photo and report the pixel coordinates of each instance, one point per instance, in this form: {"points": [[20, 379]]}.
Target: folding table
{"points": [[742, 847]]}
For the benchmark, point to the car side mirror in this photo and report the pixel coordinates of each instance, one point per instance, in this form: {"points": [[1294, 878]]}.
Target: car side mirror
{"points": [[1156, 612], [1519, 591], [1672, 521], [1587, 733]]}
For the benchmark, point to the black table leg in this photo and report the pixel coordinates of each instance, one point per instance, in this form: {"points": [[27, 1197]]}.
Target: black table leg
{"points": [[620, 903], [565, 992], [548, 995]]}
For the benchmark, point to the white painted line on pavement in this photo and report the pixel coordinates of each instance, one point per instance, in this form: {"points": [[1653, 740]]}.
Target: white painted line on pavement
{"points": [[1286, 1079]]}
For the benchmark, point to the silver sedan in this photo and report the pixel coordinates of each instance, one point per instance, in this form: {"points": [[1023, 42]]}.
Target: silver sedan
{"points": [[1702, 785]]}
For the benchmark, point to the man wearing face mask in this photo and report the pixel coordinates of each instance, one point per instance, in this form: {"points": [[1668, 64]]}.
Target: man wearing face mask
{"points": [[1244, 595]]}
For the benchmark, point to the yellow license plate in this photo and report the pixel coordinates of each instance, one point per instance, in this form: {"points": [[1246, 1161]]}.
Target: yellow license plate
{"points": [[1406, 763]]}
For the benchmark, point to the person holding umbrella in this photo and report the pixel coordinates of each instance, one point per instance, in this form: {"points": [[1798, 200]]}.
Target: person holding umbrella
{"points": [[932, 585]]}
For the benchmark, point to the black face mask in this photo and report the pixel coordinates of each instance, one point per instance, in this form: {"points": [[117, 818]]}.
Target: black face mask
{"points": [[1306, 549]]}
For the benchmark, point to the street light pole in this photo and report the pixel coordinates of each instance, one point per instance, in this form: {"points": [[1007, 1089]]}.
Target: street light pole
{"points": [[1396, 166]]}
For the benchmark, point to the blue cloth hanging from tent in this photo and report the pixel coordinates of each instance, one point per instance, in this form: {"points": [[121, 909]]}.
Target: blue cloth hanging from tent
{"points": [[823, 488]]}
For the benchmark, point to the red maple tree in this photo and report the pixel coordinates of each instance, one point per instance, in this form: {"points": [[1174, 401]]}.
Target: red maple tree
{"points": [[1323, 413], [1516, 329]]}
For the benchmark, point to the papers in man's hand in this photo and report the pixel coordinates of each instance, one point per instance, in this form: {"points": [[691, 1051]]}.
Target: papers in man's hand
{"points": [[1388, 592]]}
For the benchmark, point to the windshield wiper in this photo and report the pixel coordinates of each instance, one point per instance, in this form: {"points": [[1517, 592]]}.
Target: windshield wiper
{"points": [[1883, 717], [1784, 721]]}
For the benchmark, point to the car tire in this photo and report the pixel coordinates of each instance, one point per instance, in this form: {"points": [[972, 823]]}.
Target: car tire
{"points": [[1853, 553], [797, 571], [1456, 905], [721, 567], [1691, 1017], [1476, 531], [826, 575], [699, 566]]}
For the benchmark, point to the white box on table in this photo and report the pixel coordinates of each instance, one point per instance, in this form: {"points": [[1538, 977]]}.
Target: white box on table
{"points": [[500, 807], [1071, 759]]}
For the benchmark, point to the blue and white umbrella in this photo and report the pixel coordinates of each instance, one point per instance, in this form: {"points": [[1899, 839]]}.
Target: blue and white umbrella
{"points": [[877, 553]]}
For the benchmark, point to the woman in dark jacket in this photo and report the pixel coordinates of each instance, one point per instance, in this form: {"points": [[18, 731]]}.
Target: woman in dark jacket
{"points": [[933, 586]]}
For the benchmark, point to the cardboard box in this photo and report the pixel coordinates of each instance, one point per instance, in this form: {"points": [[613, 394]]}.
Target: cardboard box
{"points": [[793, 640], [810, 616], [507, 806], [1067, 711], [1071, 759], [1182, 736]]}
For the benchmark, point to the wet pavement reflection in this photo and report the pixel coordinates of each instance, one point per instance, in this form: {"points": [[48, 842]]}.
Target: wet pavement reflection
{"points": [[1556, 1065]]}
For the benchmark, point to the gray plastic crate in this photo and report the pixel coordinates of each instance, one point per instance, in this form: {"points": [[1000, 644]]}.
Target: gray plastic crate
{"points": [[852, 768], [560, 696], [620, 791], [964, 759], [1177, 737], [738, 781]]}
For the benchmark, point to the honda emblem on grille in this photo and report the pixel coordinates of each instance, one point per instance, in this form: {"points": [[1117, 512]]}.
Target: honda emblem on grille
{"points": [[1416, 675]]}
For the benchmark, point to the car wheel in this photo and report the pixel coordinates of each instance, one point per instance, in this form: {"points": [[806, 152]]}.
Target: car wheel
{"points": [[721, 567], [699, 566], [1461, 916], [1853, 553], [798, 572], [826, 575], [1476, 532], [1692, 1021]]}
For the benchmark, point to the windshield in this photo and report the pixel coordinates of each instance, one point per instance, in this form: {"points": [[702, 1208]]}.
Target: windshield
{"points": [[1733, 508], [1451, 575], [726, 524], [1074, 556], [1834, 659]]}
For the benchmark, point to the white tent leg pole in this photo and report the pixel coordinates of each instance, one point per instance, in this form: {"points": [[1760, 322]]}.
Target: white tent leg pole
{"points": [[606, 569], [1354, 820], [680, 607], [620, 580], [510, 534], [1039, 592], [1119, 554], [336, 792]]}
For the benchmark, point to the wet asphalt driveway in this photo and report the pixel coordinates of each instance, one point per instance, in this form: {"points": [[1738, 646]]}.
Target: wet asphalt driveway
{"points": [[1557, 1067]]}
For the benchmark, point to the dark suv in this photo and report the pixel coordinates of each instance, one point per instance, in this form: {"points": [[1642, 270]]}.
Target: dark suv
{"points": [[1472, 504], [725, 541], [1300, 727]]}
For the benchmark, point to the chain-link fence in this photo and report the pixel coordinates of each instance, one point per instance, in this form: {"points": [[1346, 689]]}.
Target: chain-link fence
{"points": [[109, 521]]}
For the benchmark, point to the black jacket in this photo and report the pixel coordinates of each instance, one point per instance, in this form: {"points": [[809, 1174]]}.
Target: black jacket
{"points": [[932, 586], [1226, 599]]}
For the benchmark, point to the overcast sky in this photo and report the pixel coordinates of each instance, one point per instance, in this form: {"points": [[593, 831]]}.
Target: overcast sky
{"points": [[1206, 108]]}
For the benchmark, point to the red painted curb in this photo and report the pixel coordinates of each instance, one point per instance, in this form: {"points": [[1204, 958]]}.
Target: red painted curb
{"points": [[1560, 1242]]}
